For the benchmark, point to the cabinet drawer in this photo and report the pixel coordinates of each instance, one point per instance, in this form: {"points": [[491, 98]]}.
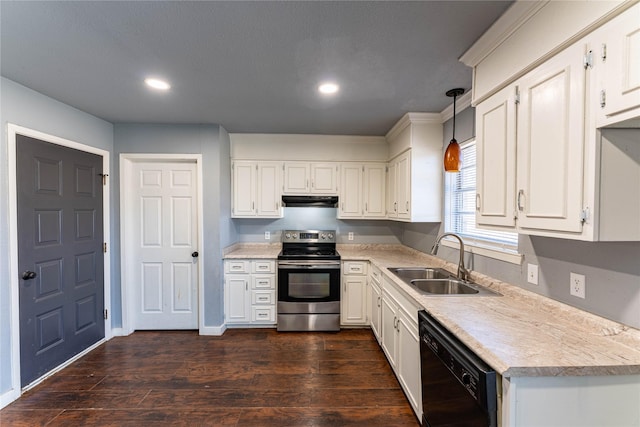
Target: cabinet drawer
{"points": [[376, 275], [262, 314], [355, 267], [267, 281], [263, 266], [263, 297], [240, 266]]}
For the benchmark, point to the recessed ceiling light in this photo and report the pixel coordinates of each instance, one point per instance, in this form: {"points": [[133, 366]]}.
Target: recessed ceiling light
{"points": [[157, 84], [328, 88]]}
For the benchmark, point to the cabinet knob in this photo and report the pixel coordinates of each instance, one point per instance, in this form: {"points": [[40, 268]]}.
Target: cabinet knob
{"points": [[195, 254]]}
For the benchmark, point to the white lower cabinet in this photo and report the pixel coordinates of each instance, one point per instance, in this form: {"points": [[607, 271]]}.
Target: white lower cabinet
{"points": [[353, 301], [401, 342], [250, 292], [374, 305]]}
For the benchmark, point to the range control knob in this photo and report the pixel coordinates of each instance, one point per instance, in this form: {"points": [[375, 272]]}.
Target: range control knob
{"points": [[295, 235], [287, 236], [323, 236], [466, 378], [331, 235]]}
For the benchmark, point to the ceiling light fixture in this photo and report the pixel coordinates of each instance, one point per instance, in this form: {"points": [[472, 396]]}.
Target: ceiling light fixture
{"points": [[452, 161], [328, 88], [157, 84]]}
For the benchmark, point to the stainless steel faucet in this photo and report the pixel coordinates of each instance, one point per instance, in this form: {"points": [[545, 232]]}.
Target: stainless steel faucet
{"points": [[463, 273]]}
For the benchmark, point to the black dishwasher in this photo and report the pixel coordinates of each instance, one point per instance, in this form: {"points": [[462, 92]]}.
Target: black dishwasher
{"points": [[458, 388]]}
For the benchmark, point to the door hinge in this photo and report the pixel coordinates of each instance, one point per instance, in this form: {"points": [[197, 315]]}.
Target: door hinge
{"points": [[106, 314], [584, 215], [603, 52], [104, 247], [587, 61], [517, 96], [603, 98], [104, 178]]}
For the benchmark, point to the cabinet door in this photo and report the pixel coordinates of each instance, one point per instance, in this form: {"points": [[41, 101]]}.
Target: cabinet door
{"points": [[354, 300], [324, 178], [403, 185], [237, 298], [374, 190], [244, 178], [350, 191], [409, 359], [496, 159], [296, 178], [269, 189], [389, 333], [620, 59], [375, 301], [392, 194], [550, 144]]}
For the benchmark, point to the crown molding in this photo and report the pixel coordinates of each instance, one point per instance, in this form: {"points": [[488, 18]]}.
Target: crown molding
{"points": [[514, 17], [413, 118]]}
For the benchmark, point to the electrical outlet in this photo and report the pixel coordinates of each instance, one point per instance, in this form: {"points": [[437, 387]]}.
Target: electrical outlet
{"points": [[577, 285], [350, 235], [267, 235], [532, 274]]}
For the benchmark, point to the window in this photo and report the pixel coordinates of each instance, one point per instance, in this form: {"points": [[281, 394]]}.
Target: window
{"points": [[460, 207]]}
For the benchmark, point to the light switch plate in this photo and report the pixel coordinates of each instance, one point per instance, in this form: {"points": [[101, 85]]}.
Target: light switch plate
{"points": [[532, 274], [267, 235], [350, 236]]}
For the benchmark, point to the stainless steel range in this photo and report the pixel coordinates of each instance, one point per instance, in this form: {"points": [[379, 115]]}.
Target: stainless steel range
{"points": [[309, 281]]}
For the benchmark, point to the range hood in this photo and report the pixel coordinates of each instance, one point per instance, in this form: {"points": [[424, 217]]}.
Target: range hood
{"points": [[310, 201]]}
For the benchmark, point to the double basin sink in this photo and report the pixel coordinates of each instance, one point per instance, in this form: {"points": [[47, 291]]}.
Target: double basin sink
{"points": [[437, 281]]}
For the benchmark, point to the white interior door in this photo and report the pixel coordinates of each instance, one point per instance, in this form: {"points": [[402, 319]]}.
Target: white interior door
{"points": [[164, 242]]}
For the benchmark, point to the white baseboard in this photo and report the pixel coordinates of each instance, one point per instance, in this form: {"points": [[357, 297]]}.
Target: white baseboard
{"points": [[213, 330], [8, 397], [118, 332]]}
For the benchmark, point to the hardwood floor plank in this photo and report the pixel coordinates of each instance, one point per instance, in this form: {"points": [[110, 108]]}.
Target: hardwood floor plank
{"points": [[371, 416], [224, 398], [143, 418], [27, 418], [46, 399]]}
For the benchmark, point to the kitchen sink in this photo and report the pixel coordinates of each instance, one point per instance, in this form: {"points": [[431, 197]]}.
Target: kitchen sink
{"points": [[411, 273], [438, 281], [443, 286]]}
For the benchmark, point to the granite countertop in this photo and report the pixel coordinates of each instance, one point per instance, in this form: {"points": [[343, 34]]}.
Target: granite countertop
{"points": [[521, 334]]}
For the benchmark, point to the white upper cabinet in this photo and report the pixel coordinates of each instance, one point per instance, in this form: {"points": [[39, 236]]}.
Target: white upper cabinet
{"points": [[550, 144], [362, 190], [414, 176], [297, 178], [256, 189], [374, 191], [302, 178], [616, 57], [496, 159]]}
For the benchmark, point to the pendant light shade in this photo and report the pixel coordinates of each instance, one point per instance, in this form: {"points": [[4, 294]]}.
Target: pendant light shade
{"points": [[452, 160]]}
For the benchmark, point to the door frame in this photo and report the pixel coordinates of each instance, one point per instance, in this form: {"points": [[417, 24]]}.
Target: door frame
{"points": [[126, 175], [12, 132]]}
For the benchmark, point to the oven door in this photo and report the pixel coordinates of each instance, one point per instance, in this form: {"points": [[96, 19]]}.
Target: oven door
{"points": [[308, 281]]}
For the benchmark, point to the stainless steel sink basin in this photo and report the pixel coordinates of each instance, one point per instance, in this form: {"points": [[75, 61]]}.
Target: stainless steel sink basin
{"points": [[443, 286], [411, 273], [437, 281]]}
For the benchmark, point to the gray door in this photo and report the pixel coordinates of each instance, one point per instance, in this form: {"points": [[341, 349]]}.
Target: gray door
{"points": [[60, 254]]}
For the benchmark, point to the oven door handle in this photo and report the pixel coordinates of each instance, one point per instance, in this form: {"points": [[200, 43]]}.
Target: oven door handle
{"points": [[288, 265]]}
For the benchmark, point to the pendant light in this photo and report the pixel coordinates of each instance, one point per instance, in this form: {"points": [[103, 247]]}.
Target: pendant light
{"points": [[452, 161]]}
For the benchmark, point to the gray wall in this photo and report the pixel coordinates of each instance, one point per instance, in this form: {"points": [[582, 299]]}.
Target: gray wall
{"points": [[612, 270], [25, 107], [213, 143]]}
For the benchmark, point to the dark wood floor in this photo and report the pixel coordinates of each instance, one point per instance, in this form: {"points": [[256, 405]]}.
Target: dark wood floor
{"points": [[247, 377]]}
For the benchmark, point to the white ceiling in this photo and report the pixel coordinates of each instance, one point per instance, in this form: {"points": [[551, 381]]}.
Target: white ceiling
{"points": [[249, 66]]}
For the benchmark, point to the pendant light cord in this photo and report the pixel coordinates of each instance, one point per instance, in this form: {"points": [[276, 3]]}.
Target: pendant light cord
{"points": [[454, 117]]}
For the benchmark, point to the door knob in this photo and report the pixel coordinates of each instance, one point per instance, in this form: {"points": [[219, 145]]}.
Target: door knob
{"points": [[28, 275], [195, 254]]}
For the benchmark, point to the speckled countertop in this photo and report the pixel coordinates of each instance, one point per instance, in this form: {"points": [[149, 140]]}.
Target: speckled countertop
{"points": [[518, 334]]}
